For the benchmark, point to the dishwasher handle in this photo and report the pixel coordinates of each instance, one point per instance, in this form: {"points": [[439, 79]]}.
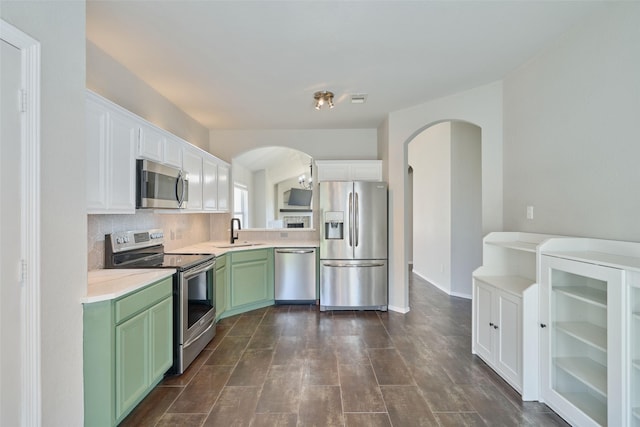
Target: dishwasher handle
{"points": [[295, 251]]}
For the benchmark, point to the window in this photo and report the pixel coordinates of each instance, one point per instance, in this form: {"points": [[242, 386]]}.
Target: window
{"points": [[241, 204]]}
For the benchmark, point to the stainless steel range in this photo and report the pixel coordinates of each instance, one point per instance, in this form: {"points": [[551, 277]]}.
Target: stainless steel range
{"points": [[193, 287]]}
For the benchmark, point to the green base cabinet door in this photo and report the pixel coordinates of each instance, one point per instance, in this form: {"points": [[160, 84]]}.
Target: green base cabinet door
{"points": [[132, 359], [250, 280]]}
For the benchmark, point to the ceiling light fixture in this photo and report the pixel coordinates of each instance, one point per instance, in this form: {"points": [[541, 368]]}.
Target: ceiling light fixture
{"points": [[323, 97]]}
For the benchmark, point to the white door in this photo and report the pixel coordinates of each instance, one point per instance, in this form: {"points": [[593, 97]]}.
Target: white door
{"points": [[509, 337], [11, 298], [483, 300]]}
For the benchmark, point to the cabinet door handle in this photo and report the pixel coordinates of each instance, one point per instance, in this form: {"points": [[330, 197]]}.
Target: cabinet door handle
{"points": [[542, 325], [495, 326], [490, 323]]}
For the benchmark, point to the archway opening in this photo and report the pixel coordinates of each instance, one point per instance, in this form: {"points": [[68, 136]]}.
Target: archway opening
{"points": [[444, 204]]}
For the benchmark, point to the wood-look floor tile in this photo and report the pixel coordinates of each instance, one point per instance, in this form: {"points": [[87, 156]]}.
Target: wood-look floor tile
{"points": [[229, 351], [275, 420], [320, 372], [234, 407], [367, 420], [460, 419], [201, 393], [245, 326], [447, 399], [320, 406], [350, 349], [281, 390], [252, 368], [181, 420], [362, 399], [407, 407], [149, 411], [389, 367]]}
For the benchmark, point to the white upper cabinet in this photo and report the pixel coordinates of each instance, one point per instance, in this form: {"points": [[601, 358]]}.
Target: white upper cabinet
{"points": [[210, 184], [117, 137], [152, 142], [111, 139], [349, 170], [192, 165], [223, 186]]}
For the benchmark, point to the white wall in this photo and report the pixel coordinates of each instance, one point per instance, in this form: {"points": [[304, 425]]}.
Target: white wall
{"points": [[110, 79], [481, 106], [60, 28], [430, 155], [325, 144], [466, 206], [572, 125]]}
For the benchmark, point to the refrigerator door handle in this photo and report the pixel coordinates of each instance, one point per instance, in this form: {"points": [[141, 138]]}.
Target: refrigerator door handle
{"points": [[351, 219], [341, 264], [356, 220]]}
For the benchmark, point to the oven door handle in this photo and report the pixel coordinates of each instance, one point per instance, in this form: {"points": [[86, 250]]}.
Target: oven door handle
{"points": [[192, 340], [208, 266]]}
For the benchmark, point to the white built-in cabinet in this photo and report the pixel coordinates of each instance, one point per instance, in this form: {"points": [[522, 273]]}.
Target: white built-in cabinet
{"points": [[589, 310], [192, 165], [111, 135], [349, 170], [117, 137], [224, 183], [505, 309]]}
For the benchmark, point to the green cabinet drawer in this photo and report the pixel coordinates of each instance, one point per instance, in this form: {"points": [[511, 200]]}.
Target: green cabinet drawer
{"points": [[141, 300], [250, 255]]}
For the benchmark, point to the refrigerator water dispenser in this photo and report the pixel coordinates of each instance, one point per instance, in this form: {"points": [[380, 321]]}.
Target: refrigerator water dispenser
{"points": [[334, 225]]}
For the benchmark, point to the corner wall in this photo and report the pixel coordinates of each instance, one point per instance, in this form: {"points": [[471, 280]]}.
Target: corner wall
{"points": [[60, 28], [571, 132]]}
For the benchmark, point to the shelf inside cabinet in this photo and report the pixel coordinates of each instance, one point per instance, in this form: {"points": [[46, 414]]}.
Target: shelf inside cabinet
{"points": [[515, 244], [585, 370], [586, 332], [589, 405], [585, 294]]}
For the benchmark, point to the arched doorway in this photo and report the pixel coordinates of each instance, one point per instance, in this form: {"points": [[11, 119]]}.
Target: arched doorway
{"points": [[444, 204]]}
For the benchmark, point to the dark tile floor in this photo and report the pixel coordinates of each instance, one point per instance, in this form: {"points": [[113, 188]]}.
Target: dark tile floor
{"points": [[294, 366]]}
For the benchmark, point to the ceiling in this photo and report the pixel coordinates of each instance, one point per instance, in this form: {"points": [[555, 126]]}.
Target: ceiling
{"points": [[256, 64]]}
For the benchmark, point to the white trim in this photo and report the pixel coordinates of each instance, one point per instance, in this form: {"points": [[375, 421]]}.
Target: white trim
{"points": [[30, 232], [401, 310]]}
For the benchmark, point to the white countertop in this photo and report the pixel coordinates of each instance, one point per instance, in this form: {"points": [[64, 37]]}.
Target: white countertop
{"points": [[107, 284], [219, 248]]}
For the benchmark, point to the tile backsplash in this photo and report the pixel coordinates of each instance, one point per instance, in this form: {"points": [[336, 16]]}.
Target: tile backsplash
{"points": [[179, 230]]}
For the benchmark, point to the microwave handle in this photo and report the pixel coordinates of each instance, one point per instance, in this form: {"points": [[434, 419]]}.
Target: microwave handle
{"points": [[180, 188]]}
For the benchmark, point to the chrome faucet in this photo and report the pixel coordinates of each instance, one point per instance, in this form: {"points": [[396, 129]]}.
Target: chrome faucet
{"points": [[234, 238]]}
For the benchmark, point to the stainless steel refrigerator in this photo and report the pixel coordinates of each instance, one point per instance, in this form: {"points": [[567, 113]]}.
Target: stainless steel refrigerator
{"points": [[353, 245]]}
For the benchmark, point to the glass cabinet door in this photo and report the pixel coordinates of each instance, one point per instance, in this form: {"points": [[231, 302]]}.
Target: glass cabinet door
{"points": [[584, 341]]}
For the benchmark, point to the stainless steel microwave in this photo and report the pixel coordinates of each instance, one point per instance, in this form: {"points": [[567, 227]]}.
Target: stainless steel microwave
{"points": [[160, 186]]}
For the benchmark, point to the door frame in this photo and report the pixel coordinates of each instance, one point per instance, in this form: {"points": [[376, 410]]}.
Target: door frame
{"points": [[31, 411]]}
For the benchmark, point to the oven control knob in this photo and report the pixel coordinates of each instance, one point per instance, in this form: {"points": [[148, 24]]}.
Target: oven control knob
{"points": [[119, 240], [126, 240]]}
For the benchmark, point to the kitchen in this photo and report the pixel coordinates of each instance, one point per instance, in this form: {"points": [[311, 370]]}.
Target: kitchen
{"points": [[61, 27]]}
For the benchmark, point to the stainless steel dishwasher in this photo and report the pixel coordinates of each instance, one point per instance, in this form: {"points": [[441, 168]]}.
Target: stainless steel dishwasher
{"points": [[295, 275]]}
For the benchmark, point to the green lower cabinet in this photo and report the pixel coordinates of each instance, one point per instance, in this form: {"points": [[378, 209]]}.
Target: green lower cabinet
{"points": [[222, 285], [128, 347], [250, 280]]}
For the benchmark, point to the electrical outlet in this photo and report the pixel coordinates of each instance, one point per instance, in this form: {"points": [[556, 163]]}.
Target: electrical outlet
{"points": [[529, 212]]}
